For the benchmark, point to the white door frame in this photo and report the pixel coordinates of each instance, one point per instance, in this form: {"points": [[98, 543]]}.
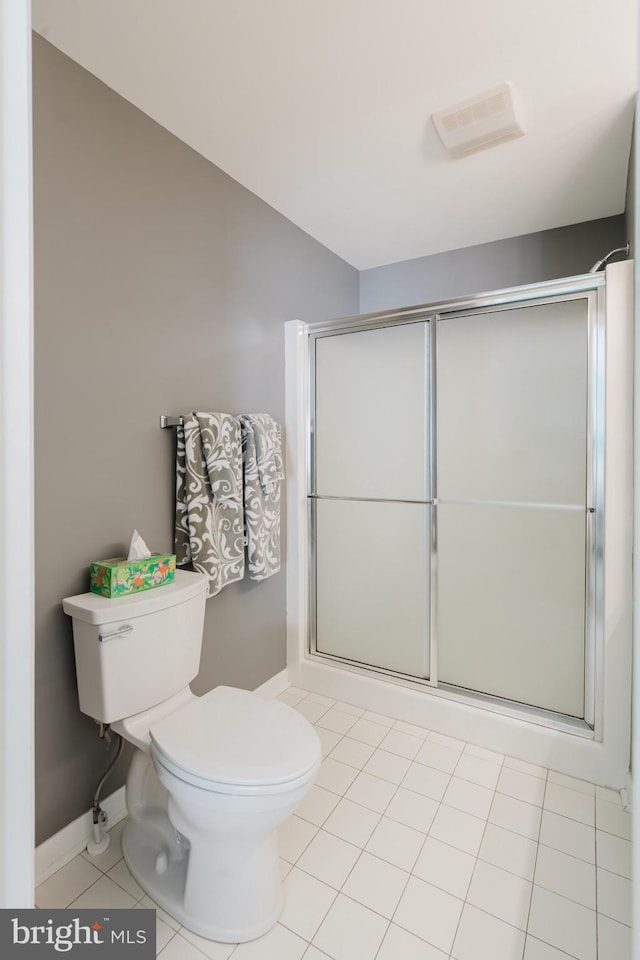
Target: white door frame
{"points": [[16, 460]]}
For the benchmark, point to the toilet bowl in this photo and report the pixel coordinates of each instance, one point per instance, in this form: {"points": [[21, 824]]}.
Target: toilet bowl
{"points": [[220, 774], [211, 777]]}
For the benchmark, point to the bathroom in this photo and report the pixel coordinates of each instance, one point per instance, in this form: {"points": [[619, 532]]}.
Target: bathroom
{"points": [[142, 249]]}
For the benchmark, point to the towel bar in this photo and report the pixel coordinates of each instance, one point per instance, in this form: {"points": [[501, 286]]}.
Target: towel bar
{"points": [[166, 421]]}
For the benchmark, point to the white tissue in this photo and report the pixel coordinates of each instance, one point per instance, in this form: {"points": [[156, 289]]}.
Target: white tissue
{"points": [[138, 550]]}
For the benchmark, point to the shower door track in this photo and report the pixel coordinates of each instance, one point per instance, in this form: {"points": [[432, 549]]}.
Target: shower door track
{"points": [[591, 287], [499, 705]]}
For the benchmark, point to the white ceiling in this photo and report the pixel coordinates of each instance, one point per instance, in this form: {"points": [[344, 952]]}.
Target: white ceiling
{"points": [[322, 107]]}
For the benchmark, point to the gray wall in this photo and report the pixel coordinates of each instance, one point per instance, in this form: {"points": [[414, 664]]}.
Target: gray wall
{"points": [[565, 252], [161, 286]]}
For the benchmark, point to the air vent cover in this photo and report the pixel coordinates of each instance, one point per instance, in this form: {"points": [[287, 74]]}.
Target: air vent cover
{"points": [[481, 121]]}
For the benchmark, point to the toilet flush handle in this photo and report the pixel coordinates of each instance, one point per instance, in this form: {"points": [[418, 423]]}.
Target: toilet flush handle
{"points": [[120, 632]]}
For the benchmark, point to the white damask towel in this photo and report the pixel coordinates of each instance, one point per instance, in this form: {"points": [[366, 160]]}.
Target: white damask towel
{"points": [[263, 475], [209, 513]]}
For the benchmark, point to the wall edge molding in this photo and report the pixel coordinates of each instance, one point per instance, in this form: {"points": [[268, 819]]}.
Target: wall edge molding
{"points": [[626, 794]]}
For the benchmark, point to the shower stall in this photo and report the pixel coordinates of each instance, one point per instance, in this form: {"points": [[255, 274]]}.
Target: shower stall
{"points": [[449, 530]]}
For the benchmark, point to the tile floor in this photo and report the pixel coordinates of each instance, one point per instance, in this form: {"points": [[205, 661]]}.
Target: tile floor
{"points": [[415, 846]]}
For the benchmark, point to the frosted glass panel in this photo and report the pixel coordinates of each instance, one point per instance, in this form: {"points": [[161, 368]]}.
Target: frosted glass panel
{"points": [[372, 583], [371, 413], [511, 598], [512, 405]]}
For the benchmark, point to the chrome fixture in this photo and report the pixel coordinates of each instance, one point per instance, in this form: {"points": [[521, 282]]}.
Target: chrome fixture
{"points": [[166, 421], [599, 264]]}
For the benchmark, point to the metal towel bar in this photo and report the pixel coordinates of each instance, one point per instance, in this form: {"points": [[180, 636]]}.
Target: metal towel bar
{"points": [[166, 421]]}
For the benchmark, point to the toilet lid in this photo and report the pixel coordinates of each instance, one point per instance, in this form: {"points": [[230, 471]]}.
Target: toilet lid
{"points": [[232, 736]]}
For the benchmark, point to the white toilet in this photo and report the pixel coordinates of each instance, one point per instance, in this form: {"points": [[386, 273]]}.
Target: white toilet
{"points": [[211, 778]]}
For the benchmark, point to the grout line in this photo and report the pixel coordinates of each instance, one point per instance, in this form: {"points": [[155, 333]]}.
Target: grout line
{"points": [[608, 832], [535, 865], [563, 953], [411, 873], [567, 786], [564, 896], [353, 899], [475, 867], [478, 860], [166, 944], [192, 944], [68, 905]]}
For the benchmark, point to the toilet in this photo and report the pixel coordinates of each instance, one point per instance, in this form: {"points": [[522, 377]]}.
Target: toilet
{"points": [[211, 777]]}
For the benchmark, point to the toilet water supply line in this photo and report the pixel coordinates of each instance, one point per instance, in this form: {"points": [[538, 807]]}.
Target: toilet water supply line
{"points": [[101, 840]]}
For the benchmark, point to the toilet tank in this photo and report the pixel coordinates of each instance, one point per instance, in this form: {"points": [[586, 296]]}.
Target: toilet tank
{"points": [[134, 652]]}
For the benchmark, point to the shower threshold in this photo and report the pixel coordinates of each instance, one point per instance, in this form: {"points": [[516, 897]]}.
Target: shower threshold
{"points": [[472, 698]]}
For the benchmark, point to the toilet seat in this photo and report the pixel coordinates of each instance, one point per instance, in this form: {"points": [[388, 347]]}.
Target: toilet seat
{"points": [[236, 742]]}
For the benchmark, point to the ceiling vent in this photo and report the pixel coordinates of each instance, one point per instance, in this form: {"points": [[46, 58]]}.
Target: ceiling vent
{"points": [[481, 121]]}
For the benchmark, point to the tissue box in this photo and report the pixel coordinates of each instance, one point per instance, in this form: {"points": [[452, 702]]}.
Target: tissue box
{"points": [[118, 576]]}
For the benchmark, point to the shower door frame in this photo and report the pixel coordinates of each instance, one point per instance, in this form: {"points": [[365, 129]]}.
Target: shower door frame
{"points": [[312, 497], [592, 288]]}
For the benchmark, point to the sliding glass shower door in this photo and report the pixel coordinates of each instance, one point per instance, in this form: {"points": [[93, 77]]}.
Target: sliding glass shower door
{"points": [[512, 503], [371, 510], [456, 478]]}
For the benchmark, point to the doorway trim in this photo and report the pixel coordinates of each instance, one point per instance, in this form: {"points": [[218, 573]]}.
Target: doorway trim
{"points": [[16, 461]]}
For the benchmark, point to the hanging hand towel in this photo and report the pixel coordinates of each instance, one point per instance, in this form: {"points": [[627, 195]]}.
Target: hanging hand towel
{"points": [[263, 473], [209, 517]]}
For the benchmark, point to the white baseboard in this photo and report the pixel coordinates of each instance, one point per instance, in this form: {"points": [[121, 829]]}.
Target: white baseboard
{"points": [[275, 685], [67, 843]]}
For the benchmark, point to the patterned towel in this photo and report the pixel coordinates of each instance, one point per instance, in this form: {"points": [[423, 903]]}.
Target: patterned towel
{"points": [[209, 516], [263, 473]]}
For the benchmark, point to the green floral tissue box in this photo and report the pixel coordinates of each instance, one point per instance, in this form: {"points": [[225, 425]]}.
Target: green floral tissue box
{"points": [[118, 576]]}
